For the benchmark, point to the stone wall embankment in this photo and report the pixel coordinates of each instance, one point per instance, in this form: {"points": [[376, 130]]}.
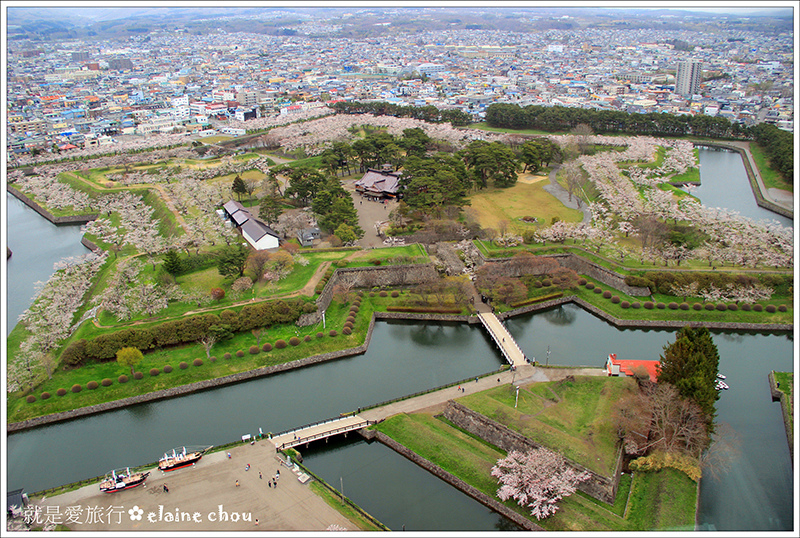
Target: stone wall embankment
{"points": [[755, 184], [369, 277], [598, 486], [581, 266], [646, 323], [71, 219], [454, 481], [780, 396]]}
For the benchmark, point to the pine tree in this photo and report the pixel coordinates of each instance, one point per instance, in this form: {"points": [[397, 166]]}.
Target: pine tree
{"points": [[691, 364], [172, 262], [239, 187]]}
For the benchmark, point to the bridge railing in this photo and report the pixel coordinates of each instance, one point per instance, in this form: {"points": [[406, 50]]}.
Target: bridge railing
{"points": [[328, 433], [497, 340], [307, 426]]}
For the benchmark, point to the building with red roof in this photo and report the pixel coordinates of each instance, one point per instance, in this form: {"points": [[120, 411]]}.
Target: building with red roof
{"points": [[615, 366]]}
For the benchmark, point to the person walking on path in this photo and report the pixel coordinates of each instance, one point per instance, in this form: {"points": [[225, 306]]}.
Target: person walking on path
{"points": [[237, 483], [166, 489], [259, 475]]}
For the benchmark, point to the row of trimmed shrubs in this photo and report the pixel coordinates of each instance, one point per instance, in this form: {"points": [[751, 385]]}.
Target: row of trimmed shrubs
{"points": [[649, 305], [92, 385], [321, 284], [534, 300], [663, 281], [347, 329], [184, 331]]}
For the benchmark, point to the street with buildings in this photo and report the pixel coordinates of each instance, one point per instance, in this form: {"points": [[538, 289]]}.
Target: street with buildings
{"points": [[66, 94]]}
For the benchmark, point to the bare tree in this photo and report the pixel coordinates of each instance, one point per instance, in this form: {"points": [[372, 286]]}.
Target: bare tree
{"points": [[573, 178], [257, 263], [583, 134], [208, 342]]}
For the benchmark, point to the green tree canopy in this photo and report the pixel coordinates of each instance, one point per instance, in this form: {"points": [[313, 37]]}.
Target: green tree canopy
{"points": [[129, 357], [239, 187], [304, 182], [269, 209], [232, 260], [172, 262], [691, 364], [491, 162], [345, 233], [429, 184]]}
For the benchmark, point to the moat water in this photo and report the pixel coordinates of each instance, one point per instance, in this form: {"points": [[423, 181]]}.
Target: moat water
{"points": [[756, 494]]}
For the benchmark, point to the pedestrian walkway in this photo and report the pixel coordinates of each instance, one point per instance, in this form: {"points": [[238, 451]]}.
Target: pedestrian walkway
{"points": [[320, 430], [509, 347]]}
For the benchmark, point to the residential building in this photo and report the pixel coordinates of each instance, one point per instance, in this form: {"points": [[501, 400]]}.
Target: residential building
{"points": [[687, 79]]}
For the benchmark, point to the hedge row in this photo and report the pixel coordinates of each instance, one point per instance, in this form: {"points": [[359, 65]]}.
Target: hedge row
{"points": [[425, 309], [184, 331], [537, 299], [662, 281], [721, 307]]}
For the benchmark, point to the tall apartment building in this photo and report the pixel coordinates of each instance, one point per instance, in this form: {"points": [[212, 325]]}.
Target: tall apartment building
{"points": [[687, 79]]}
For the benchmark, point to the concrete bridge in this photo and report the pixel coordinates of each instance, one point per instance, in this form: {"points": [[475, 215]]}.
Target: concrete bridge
{"points": [[319, 430], [508, 346]]}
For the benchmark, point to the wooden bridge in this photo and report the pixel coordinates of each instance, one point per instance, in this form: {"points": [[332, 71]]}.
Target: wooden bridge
{"points": [[508, 346], [319, 430]]}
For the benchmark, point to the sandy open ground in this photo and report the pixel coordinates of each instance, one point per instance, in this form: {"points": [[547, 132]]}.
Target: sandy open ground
{"points": [[530, 178], [205, 494]]}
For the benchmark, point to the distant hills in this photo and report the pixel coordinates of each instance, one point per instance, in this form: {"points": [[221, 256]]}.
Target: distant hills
{"points": [[54, 23]]}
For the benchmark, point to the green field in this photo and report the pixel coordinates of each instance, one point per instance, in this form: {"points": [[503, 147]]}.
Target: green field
{"points": [[647, 501], [572, 416], [492, 206]]}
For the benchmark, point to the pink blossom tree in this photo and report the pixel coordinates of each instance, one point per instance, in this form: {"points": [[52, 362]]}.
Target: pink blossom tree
{"points": [[538, 479]]}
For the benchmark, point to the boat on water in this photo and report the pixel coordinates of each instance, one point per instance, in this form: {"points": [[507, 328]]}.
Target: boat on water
{"points": [[721, 385], [120, 479], [720, 376], [181, 457]]}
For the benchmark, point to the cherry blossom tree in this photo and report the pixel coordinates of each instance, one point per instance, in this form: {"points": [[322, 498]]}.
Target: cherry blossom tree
{"points": [[538, 479]]}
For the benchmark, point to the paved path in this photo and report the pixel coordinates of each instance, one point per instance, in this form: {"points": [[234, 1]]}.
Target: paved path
{"points": [[292, 506], [437, 399], [563, 196]]}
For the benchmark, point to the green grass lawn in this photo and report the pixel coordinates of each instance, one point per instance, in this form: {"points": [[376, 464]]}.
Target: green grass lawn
{"points": [[483, 126], [772, 178], [569, 416], [786, 380], [663, 500], [520, 200], [19, 409]]}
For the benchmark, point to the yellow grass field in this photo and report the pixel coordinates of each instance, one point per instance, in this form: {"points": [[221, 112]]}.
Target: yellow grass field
{"points": [[526, 198]]}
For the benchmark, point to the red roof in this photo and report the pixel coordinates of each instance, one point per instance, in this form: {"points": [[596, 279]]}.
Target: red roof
{"points": [[626, 366]]}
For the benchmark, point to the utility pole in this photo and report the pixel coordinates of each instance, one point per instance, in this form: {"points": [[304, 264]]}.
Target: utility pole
{"points": [[516, 399]]}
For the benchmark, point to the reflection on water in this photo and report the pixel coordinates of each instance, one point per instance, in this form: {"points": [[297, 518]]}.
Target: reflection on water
{"points": [[402, 495], [724, 183]]}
